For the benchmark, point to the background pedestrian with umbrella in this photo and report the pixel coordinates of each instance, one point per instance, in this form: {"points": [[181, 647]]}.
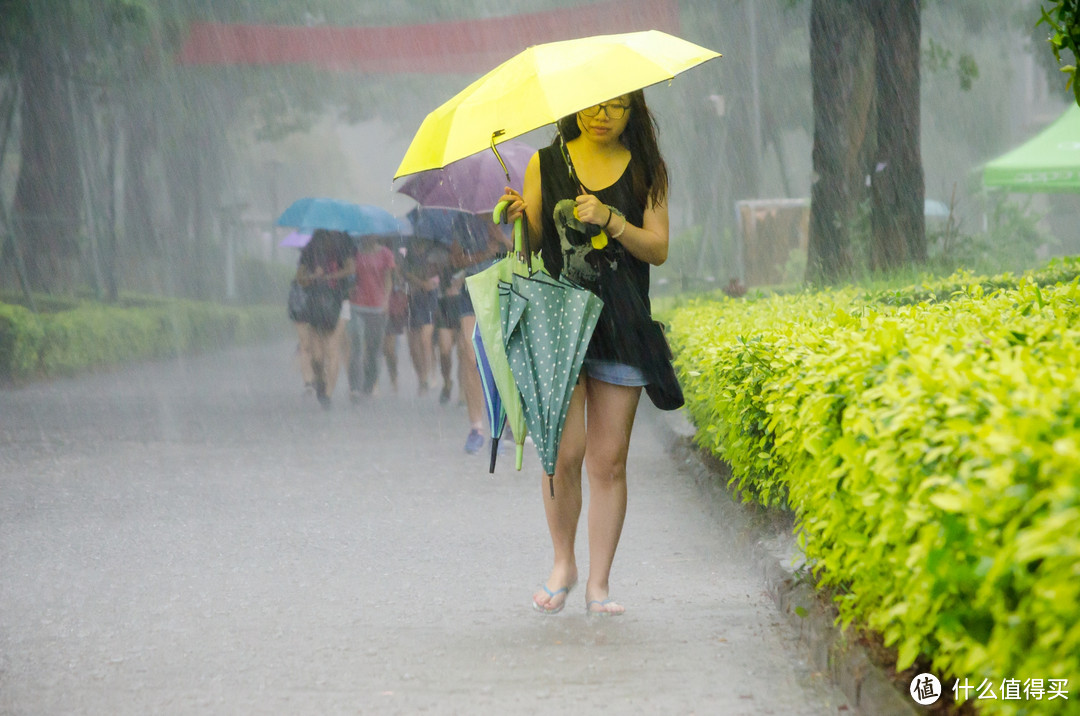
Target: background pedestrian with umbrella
{"points": [[297, 306], [427, 257], [326, 271], [471, 187], [369, 301], [617, 195]]}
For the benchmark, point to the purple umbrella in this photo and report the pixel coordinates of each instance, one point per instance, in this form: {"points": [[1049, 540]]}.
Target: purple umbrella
{"points": [[296, 240], [472, 184]]}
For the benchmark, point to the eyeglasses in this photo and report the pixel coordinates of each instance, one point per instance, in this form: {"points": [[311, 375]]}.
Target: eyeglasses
{"points": [[613, 111]]}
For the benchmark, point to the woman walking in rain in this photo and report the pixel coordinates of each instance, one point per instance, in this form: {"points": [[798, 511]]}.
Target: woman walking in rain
{"points": [[326, 269], [597, 198], [368, 303]]}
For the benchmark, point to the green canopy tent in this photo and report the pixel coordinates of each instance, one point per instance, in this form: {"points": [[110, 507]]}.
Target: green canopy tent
{"points": [[1048, 163]]}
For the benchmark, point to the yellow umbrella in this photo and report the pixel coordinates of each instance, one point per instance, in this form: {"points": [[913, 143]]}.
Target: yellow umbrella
{"points": [[543, 84]]}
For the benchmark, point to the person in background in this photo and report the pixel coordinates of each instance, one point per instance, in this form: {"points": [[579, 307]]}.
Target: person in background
{"points": [[397, 320], [477, 243], [368, 304], [421, 271], [327, 259], [302, 360], [448, 325], [621, 189]]}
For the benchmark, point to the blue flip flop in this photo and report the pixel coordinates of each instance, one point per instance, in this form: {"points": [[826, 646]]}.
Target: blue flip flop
{"points": [[551, 595]]}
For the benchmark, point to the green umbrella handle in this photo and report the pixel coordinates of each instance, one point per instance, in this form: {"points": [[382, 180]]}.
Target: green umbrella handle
{"points": [[497, 216]]}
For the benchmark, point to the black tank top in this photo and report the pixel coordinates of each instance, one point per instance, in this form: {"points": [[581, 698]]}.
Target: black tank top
{"points": [[613, 273]]}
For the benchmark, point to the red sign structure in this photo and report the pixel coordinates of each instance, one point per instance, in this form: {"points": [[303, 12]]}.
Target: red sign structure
{"points": [[446, 47]]}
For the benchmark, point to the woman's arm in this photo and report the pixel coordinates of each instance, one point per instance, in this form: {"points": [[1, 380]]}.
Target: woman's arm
{"points": [[304, 276], [344, 272], [347, 270], [648, 242]]}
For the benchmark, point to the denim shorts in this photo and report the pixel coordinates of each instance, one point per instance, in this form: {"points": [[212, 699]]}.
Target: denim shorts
{"points": [[422, 305], [448, 312], [608, 371]]}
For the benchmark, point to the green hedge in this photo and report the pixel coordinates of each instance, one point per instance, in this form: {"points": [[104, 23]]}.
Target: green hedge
{"points": [[91, 335], [930, 451]]}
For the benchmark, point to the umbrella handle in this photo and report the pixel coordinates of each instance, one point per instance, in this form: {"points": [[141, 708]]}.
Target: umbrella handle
{"points": [[499, 133], [497, 215]]}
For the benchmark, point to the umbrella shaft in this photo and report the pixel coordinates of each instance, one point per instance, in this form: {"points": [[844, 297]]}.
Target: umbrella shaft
{"points": [[499, 133]]}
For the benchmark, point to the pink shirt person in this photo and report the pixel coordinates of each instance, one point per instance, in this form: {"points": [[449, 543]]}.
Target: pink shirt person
{"points": [[374, 270]]}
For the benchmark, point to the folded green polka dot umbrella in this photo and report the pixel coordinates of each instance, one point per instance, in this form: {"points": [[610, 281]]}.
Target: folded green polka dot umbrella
{"points": [[548, 324]]}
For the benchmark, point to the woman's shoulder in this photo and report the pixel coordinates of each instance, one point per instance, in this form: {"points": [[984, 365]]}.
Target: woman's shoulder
{"points": [[545, 154], [552, 164]]}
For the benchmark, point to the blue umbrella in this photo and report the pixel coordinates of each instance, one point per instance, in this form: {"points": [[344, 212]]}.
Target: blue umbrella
{"points": [[492, 400], [433, 224], [336, 215]]}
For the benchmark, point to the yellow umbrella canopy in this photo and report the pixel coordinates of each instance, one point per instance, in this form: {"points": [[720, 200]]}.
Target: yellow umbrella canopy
{"points": [[543, 84]]}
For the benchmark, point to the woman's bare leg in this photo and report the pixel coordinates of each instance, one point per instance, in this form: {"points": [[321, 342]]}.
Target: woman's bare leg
{"points": [[302, 356], [420, 349], [390, 353], [611, 411], [336, 349], [563, 511], [445, 341], [469, 374]]}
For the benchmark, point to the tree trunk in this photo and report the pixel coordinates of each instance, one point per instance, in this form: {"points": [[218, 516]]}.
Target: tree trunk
{"points": [[47, 192], [109, 240], [897, 188], [842, 82], [139, 233]]}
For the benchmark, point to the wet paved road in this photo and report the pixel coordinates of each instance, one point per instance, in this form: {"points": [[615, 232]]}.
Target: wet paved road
{"points": [[194, 537]]}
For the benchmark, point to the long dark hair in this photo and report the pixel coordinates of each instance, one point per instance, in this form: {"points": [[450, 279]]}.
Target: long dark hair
{"points": [[648, 172]]}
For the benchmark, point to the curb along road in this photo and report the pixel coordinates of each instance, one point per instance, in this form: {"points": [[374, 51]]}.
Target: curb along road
{"points": [[769, 538]]}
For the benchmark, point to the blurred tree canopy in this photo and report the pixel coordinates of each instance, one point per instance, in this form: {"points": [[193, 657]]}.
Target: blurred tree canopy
{"points": [[866, 65], [865, 68], [57, 58], [128, 161], [1063, 19]]}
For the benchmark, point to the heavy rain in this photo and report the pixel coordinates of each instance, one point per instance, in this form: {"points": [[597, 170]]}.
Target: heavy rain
{"points": [[217, 498]]}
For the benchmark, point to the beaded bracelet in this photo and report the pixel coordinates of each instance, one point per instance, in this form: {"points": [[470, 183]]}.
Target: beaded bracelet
{"points": [[620, 231]]}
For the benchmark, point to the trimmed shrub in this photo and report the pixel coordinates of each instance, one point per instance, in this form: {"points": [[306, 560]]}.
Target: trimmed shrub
{"points": [[92, 335], [930, 451]]}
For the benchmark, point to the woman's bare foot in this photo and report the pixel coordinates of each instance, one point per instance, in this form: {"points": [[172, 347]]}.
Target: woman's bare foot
{"points": [[605, 607], [598, 602], [551, 597]]}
